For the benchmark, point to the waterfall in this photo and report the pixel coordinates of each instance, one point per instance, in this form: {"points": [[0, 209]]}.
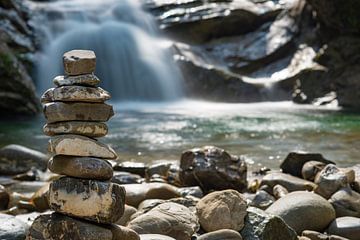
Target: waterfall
{"points": [[133, 62]]}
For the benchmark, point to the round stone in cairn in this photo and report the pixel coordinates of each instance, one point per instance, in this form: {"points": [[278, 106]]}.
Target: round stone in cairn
{"points": [[81, 80], [89, 129], [78, 62], [96, 201], [77, 145], [81, 167], [77, 111], [75, 94]]}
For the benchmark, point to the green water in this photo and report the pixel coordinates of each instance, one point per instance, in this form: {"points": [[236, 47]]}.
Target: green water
{"points": [[263, 132]]}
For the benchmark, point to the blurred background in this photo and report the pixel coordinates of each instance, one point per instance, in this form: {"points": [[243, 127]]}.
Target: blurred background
{"points": [[259, 78]]}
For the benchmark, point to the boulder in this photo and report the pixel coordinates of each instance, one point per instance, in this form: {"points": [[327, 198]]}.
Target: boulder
{"points": [[73, 197], [75, 94], [290, 182], [81, 167], [15, 159], [12, 228], [82, 80], [78, 111], [212, 168], [260, 225], [329, 180], [169, 219], [136, 193], [303, 211], [311, 169], [346, 203], [224, 234], [294, 162], [88, 129], [222, 210], [78, 62], [77, 145], [348, 227]]}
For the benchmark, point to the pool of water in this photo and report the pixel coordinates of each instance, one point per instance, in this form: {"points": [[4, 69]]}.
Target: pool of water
{"points": [[264, 132]]}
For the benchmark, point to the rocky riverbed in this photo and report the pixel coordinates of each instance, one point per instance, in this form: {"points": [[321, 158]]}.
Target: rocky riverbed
{"points": [[208, 194]]}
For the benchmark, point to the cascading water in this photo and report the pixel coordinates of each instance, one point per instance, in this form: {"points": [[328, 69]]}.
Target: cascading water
{"points": [[133, 62]]}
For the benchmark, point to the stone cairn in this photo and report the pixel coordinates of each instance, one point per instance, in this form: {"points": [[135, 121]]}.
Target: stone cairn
{"points": [[85, 202]]}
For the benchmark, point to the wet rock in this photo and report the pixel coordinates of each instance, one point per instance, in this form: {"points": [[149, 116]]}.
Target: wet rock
{"points": [[81, 167], [346, 203], [88, 129], [78, 62], [191, 191], [131, 167], [125, 178], [227, 234], [262, 200], [92, 112], [295, 161], [75, 94], [311, 169], [279, 191], [57, 226], [303, 211], [4, 198], [212, 168], [348, 227], [15, 159], [40, 199], [155, 237], [136, 193], [264, 226], [12, 228], [73, 197], [169, 219], [222, 210], [125, 218], [77, 145], [291, 183], [329, 180], [81, 80]]}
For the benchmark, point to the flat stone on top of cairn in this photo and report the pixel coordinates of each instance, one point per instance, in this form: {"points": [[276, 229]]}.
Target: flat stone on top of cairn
{"points": [[75, 111]]}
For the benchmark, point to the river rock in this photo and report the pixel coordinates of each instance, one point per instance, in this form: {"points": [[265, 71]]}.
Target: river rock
{"points": [[81, 80], [12, 228], [356, 184], [123, 233], [40, 199], [222, 210], [4, 198], [329, 180], [136, 193], [295, 161], [279, 191], [78, 62], [92, 112], [311, 169], [212, 168], [169, 219], [57, 226], [290, 182], [313, 235], [125, 178], [346, 203], [88, 129], [191, 191], [224, 234], [81, 167], [303, 210], [76, 145], [75, 94], [348, 227], [260, 225], [262, 200], [96, 201], [155, 237], [138, 168], [125, 218], [15, 159]]}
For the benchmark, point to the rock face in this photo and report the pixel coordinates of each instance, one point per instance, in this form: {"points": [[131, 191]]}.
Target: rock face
{"points": [[348, 227], [260, 225], [88, 129], [15, 159], [303, 211], [212, 168], [169, 219], [79, 62], [222, 210], [12, 228], [74, 197]]}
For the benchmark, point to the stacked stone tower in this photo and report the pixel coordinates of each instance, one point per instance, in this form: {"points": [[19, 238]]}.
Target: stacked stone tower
{"points": [[85, 202]]}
